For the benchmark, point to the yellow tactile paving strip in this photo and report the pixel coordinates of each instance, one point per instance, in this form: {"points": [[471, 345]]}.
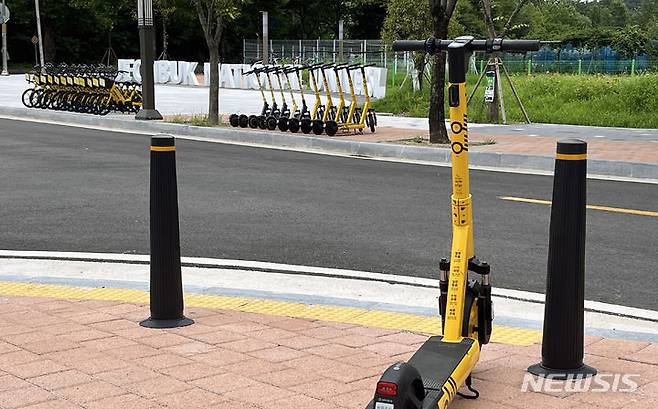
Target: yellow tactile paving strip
{"points": [[347, 315]]}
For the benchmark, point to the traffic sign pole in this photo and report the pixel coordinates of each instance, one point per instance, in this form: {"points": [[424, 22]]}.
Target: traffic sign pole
{"points": [[4, 38]]}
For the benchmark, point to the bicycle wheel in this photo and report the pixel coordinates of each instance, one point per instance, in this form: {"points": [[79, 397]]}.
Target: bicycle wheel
{"points": [[26, 97]]}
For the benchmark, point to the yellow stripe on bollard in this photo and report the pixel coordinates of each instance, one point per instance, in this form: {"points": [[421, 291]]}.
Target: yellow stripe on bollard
{"points": [[571, 156], [163, 148]]}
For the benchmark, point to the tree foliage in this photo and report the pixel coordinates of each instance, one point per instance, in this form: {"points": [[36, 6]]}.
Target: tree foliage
{"points": [[78, 30], [407, 19]]}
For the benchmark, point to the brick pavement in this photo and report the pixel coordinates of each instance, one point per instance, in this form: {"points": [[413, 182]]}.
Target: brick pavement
{"points": [[603, 148], [58, 353]]}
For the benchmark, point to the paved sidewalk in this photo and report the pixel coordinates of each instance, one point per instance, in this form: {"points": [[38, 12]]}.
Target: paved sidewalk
{"points": [[518, 140], [645, 151], [60, 353]]}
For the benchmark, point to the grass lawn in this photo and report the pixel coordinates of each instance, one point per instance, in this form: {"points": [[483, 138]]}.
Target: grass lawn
{"points": [[600, 100]]}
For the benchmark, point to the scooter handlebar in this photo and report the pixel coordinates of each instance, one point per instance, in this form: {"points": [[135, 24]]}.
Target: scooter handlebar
{"points": [[433, 45], [409, 45]]}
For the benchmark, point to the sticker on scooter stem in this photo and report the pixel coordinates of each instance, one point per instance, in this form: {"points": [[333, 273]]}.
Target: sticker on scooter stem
{"points": [[460, 127], [458, 148]]}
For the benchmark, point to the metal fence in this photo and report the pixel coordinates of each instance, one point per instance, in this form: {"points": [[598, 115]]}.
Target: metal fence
{"points": [[550, 59], [295, 51], [581, 66]]}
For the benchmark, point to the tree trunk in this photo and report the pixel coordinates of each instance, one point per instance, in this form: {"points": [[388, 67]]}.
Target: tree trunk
{"points": [[48, 33], [165, 38], [213, 94], [438, 133]]}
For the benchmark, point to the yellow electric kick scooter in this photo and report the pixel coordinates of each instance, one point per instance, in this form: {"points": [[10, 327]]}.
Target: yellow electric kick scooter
{"points": [[436, 372], [306, 124]]}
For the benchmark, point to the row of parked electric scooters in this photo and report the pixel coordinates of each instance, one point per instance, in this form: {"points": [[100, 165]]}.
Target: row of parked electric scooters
{"points": [[324, 117]]}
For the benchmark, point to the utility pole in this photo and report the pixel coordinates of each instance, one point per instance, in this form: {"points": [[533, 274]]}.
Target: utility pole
{"points": [[147, 55], [41, 58], [266, 41], [4, 41]]}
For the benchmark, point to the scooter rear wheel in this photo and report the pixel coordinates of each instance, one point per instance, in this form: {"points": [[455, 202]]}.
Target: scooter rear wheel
{"points": [[317, 127], [330, 128], [293, 125], [234, 120], [243, 121], [253, 121], [306, 126]]}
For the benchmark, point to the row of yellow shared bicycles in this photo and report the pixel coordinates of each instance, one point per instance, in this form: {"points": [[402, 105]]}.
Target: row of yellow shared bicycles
{"points": [[90, 89]]}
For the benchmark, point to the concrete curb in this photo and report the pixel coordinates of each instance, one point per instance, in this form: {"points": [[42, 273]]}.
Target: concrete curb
{"points": [[439, 156]]}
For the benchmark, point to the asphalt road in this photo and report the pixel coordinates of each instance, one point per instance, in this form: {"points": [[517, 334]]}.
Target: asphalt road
{"points": [[73, 189]]}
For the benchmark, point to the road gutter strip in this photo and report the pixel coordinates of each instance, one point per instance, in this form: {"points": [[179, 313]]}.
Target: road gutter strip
{"points": [[636, 171]]}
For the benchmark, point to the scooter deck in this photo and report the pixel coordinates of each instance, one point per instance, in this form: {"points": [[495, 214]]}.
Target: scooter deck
{"points": [[436, 361]]}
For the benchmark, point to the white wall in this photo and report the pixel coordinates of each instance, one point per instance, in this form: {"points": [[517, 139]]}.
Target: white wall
{"points": [[164, 72], [230, 76]]}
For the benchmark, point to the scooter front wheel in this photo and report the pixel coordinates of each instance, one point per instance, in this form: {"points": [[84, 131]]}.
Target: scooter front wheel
{"points": [[293, 125], [270, 123], [243, 121], [317, 127], [331, 127], [234, 120], [261, 122], [283, 124], [370, 121], [253, 121], [306, 126]]}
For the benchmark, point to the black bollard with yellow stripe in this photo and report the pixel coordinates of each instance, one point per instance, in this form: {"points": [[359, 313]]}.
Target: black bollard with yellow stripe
{"points": [[166, 283], [564, 311]]}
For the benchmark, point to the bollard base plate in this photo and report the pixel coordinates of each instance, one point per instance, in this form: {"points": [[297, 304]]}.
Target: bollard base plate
{"points": [[178, 322], [148, 114], [584, 371]]}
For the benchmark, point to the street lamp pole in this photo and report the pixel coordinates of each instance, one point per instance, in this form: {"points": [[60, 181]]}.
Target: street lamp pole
{"points": [[4, 44], [38, 12], [147, 52], [266, 39]]}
